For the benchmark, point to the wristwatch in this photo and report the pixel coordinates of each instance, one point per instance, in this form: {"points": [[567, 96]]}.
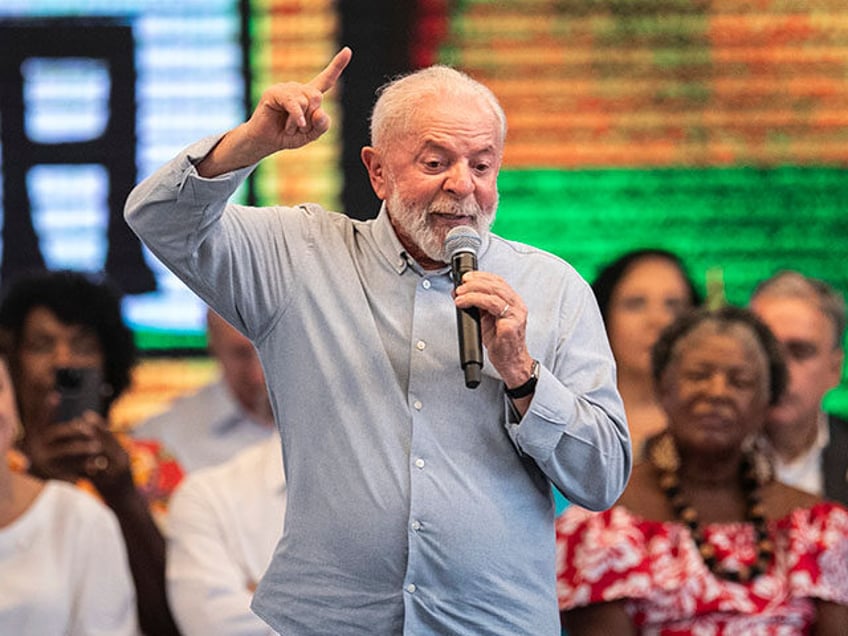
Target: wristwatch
{"points": [[523, 390]]}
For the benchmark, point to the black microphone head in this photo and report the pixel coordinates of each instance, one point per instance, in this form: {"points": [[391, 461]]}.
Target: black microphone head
{"points": [[462, 238]]}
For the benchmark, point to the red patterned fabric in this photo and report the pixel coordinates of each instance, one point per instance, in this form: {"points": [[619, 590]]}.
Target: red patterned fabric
{"points": [[156, 472], [655, 565]]}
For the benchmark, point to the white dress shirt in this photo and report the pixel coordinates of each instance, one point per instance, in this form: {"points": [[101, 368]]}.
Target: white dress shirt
{"points": [[805, 471], [223, 524], [204, 428]]}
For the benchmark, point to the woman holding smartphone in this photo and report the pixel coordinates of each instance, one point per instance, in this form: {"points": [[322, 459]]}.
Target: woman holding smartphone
{"points": [[61, 543], [64, 320]]}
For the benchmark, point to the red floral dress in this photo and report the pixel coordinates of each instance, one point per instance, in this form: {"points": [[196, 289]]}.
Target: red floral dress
{"points": [[670, 591]]}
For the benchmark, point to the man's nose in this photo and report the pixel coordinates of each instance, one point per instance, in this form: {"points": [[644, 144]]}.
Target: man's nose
{"points": [[459, 180]]}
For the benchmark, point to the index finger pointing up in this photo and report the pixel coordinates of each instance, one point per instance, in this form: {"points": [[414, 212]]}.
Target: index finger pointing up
{"points": [[326, 79]]}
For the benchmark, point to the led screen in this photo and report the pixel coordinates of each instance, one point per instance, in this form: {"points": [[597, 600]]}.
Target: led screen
{"points": [[97, 94]]}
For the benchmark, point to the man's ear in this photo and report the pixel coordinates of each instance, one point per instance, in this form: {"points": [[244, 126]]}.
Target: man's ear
{"points": [[376, 170]]}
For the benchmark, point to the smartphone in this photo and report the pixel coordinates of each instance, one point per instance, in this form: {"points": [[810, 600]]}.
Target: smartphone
{"points": [[80, 389]]}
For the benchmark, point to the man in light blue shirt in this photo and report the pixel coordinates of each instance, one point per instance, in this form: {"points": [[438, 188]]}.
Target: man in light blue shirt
{"points": [[415, 505], [221, 418]]}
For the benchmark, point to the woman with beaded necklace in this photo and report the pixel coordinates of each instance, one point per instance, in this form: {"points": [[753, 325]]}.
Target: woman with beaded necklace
{"points": [[704, 540]]}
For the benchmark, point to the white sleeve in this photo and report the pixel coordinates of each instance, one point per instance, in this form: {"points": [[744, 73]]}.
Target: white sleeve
{"points": [[207, 585]]}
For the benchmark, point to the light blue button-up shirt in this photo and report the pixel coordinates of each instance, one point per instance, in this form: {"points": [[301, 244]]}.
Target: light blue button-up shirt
{"points": [[415, 505]]}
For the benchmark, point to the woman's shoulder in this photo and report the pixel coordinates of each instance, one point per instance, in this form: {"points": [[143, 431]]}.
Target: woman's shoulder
{"points": [[642, 509], [803, 515], [643, 496], [69, 502], [68, 513], [780, 499]]}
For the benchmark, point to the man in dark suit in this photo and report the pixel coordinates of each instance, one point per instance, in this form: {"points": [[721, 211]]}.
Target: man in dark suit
{"points": [[810, 446]]}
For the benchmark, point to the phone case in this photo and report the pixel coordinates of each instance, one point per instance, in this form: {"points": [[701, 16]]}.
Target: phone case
{"points": [[81, 389]]}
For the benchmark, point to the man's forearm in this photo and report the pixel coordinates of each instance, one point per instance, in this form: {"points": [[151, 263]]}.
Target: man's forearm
{"points": [[235, 150]]}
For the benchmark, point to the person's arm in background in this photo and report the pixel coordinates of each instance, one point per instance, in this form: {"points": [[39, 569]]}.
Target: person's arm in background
{"points": [[144, 541], [599, 619], [146, 553], [209, 587], [831, 619]]}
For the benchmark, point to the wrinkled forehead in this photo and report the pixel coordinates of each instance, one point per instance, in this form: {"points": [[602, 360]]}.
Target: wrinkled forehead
{"points": [[454, 114]]}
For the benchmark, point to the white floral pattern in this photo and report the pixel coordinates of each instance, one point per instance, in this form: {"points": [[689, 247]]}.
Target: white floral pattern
{"points": [[670, 591]]}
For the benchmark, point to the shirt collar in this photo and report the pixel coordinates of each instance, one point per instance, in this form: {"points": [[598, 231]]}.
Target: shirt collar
{"points": [[394, 252], [822, 440], [388, 242]]}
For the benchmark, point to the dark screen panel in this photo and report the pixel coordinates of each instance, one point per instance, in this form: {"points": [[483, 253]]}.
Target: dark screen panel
{"points": [[97, 95]]}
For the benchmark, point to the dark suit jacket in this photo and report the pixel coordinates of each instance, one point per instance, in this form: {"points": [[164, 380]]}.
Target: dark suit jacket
{"points": [[835, 462]]}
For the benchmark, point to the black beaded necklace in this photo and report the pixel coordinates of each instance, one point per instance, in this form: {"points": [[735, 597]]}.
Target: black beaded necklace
{"points": [[751, 480]]}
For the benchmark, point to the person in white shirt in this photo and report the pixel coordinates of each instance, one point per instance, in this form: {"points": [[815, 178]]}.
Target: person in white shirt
{"points": [[810, 447], [63, 564], [223, 524], [222, 418]]}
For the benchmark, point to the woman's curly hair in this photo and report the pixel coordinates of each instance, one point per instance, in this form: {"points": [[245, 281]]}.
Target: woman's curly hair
{"points": [[75, 298]]}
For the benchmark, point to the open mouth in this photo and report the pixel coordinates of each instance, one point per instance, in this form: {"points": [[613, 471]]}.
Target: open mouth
{"points": [[454, 218]]}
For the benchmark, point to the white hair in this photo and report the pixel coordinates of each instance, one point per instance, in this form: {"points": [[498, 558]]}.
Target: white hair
{"points": [[399, 100]]}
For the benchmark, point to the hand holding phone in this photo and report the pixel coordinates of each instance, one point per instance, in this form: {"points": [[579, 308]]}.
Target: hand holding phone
{"points": [[80, 389]]}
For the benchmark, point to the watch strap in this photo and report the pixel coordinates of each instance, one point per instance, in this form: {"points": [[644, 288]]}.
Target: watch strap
{"points": [[523, 390]]}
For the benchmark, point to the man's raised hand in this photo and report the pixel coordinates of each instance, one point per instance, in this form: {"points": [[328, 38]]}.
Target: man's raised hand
{"points": [[289, 115]]}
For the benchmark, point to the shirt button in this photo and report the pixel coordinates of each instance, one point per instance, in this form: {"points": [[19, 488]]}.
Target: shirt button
{"points": [[416, 526], [419, 463], [410, 588], [417, 404], [420, 345], [425, 283]]}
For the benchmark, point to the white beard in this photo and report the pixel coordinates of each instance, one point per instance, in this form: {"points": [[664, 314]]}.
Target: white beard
{"points": [[415, 221]]}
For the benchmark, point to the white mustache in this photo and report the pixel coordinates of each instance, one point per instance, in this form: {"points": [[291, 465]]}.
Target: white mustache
{"points": [[454, 208]]}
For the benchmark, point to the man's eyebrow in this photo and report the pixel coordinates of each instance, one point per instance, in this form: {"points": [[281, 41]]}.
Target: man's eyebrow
{"points": [[799, 341], [800, 345], [432, 144]]}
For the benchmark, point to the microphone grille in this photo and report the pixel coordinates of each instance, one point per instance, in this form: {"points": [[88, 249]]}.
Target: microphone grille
{"points": [[462, 238]]}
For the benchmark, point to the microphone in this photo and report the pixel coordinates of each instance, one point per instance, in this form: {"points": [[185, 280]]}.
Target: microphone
{"points": [[461, 244]]}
